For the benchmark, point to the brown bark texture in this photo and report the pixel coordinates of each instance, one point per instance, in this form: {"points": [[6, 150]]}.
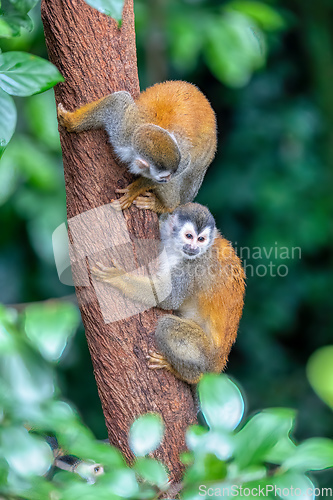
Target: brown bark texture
{"points": [[97, 57]]}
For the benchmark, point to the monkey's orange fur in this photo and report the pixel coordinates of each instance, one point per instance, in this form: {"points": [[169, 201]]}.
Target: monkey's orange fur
{"points": [[73, 120], [170, 129], [221, 306], [167, 105]]}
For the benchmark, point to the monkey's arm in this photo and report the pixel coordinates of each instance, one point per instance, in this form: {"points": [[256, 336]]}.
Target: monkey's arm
{"points": [[97, 114], [143, 289]]}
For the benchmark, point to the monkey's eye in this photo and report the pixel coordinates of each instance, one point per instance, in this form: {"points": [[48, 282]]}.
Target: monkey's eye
{"points": [[201, 239], [189, 236]]}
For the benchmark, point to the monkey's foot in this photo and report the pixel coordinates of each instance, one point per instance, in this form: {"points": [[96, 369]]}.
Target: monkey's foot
{"points": [[124, 201], [146, 202], [157, 361], [103, 273], [150, 202]]}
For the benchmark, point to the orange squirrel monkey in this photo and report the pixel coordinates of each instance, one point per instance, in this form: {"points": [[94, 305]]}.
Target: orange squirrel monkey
{"points": [[167, 136], [207, 292]]}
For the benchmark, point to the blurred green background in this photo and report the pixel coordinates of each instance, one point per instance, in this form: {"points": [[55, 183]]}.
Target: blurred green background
{"points": [[267, 69]]}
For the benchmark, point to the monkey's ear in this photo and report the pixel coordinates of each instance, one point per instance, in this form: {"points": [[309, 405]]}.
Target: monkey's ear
{"points": [[172, 222], [157, 144], [141, 164]]}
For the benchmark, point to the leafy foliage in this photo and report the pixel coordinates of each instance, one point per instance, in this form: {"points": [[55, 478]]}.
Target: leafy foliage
{"points": [[270, 182], [320, 373], [221, 454], [146, 434], [14, 16], [21, 74]]}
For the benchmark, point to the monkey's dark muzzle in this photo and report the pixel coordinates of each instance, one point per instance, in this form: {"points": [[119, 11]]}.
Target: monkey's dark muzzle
{"points": [[188, 250]]}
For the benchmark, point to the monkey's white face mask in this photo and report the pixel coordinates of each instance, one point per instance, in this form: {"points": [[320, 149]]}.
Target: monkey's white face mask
{"points": [[182, 238]]}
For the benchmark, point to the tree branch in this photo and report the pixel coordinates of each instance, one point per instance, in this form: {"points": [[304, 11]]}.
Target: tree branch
{"points": [[96, 58]]}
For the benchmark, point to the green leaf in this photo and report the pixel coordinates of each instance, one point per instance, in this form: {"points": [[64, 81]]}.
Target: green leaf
{"points": [[221, 402], [8, 117], [12, 25], [268, 17], [5, 29], [186, 41], [15, 16], [283, 449], [248, 475], [202, 441], [26, 454], [49, 327], [313, 454], [261, 434], [56, 415], [29, 380], [152, 471], [146, 434], [234, 49], [122, 482], [103, 453], [290, 486], [206, 468], [320, 373], [23, 74], [22, 6], [113, 8]]}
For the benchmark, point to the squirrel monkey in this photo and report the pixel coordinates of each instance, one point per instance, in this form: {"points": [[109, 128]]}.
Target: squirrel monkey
{"points": [[207, 290], [167, 137]]}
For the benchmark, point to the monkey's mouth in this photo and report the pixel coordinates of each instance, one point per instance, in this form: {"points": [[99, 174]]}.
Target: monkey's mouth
{"points": [[191, 253], [164, 179]]}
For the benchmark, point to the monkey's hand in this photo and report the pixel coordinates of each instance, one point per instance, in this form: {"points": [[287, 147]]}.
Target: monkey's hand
{"points": [[106, 274], [134, 287], [64, 118], [146, 202], [157, 361], [149, 201]]}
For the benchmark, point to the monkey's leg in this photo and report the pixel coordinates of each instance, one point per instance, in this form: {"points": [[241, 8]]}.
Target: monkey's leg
{"points": [[131, 192], [150, 202], [185, 347], [96, 114]]}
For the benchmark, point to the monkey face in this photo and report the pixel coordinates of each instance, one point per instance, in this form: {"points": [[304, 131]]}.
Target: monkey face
{"points": [[194, 243], [146, 168], [157, 151], [189, 231]]}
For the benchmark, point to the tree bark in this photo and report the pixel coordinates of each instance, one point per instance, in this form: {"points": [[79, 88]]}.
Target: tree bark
{"points": [[97, 57]]}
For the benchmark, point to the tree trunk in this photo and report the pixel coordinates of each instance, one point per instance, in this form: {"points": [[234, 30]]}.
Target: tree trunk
{"points": [[96, 58]]}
